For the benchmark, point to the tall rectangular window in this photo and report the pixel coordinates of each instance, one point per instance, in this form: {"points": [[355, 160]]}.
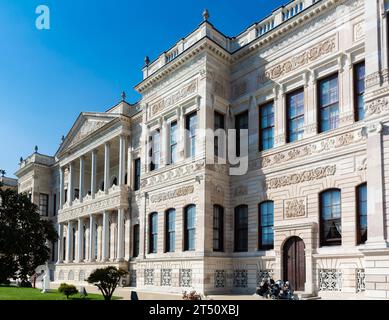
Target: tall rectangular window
{"points": [[173, 142], [330, 218], [153, 233], [135, 249], [137, 169], [241, 123], [170, 221], [191, 126], [190, 227], [362, 213], [266, 223], [295, 114], [328, 103], [359, 91], [155, 150], [241, 228], [44, 204], [266, 126], [55, 205], [218, 229], [218, 124]]}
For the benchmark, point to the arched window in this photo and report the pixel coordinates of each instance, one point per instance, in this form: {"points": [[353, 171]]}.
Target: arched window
{"points": [[114, 181], [102, 186], [330, 218], [170, 227], [135, 249], [125, 179], [190, 227], [241, 228], [64, 249], [84, 243], [265, 225], [218, 228], [362, 213], [153, 232]]}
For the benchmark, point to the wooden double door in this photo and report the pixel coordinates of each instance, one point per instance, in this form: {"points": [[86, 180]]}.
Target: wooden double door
{"points": [[294, 263]]}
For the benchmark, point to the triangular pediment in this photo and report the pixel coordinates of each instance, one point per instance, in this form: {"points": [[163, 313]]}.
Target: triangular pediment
{"points": [[85, 125]]}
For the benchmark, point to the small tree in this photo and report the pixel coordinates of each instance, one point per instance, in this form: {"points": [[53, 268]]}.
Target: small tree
{"points": [[106, 279], [67, 290]]}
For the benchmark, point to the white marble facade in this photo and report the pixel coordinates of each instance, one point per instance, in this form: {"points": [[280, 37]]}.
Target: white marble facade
{"points": [[104, 212]]}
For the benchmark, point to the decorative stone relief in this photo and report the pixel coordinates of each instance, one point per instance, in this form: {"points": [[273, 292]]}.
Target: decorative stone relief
{"points": [[185, 277], [116, 199], [149, 277], [295, 208], [173, 174], [323, 48], [220, 278], [359, 31], [377, 106], [318, 147], [240, 278], [264, 275], [86, 129], [166, 277], [330, 280], [308, 175], [174, 98], [361, 284], [180, 192]]}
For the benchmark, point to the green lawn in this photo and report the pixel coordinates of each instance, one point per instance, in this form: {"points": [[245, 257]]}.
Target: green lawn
{"points": [[14, 293]]}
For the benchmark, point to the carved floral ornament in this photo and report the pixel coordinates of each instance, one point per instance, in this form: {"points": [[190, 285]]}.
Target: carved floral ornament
{"points": [[377, 106], [328, 144], [86, 129], [175, 97], [308, 175], [295, 208], [180, 192], [325, 47]]}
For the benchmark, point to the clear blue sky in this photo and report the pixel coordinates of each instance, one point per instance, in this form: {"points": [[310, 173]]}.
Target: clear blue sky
{"points": [[93, 51]]}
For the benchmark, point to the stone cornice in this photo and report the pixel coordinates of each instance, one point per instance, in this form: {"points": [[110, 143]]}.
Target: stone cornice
{"points": [[210, 45]]}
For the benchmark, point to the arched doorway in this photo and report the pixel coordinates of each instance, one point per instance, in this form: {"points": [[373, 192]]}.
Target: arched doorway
{"points": [[294, 263]]}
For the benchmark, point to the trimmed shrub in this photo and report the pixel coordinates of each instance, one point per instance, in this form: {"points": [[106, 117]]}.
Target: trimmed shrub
{"points": [[67, 289]]}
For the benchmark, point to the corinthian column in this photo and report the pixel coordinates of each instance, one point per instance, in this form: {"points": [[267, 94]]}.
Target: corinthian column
{"points": [[122, 159], [93, 173], [82, 167], [105, 246], [120, 255], [106, 166]]}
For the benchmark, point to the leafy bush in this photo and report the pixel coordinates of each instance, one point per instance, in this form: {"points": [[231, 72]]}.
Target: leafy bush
{"points": [[106, 279], [67, 289]]}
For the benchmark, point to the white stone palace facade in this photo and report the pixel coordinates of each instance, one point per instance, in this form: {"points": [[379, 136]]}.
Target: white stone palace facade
{"points": [[310, 83]]}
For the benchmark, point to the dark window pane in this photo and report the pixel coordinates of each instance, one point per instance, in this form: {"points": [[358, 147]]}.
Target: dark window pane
{"points": [[218, 213], [241, 228], [328, 104], [170, 230], [362, 213], [137, 174], [241, 122], [266, 126], [153, 232], [190, 227], [330, 216], [359, 90], [266, 224]]}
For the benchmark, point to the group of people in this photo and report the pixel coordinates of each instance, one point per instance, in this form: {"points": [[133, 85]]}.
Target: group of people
{"points": [[278, 290]]}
